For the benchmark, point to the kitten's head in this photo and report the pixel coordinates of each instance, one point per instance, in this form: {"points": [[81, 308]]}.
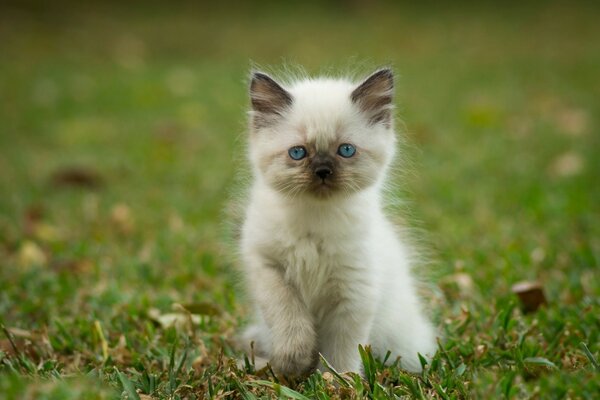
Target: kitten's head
{"points": [[321, 137]]}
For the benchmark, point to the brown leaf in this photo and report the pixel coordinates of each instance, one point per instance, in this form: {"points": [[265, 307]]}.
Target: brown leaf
{"points": [[531, 295], [458, 285], [176, 223], [47, 233], [122, 218], [202, 308], [6, 347], [34, 345], [31, 218], [77, 176], [480, 350], [120, 353], [34, 225], [30, 254], [20, 333], [72, 266], [567, 164], [573, 121], [181, 321], [328, 376]]}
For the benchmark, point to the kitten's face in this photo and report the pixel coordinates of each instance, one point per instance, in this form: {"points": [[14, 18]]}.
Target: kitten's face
{"points": [[322, 138]]}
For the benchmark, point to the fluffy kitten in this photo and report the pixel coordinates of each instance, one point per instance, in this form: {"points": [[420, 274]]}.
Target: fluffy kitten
{"points": [[324, 267]]}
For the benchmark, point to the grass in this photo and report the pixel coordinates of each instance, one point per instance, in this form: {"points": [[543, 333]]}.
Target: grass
{"points": [[122, 131]]}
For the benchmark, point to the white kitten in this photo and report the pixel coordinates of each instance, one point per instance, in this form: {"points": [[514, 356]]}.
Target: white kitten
{"points": [[324, 267]]}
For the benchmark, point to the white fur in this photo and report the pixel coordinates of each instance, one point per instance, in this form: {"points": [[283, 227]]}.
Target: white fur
{"points": [[325, 275]]}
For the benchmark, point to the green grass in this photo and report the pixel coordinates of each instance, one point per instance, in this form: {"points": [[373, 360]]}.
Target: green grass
{"points": [[501, 115]]}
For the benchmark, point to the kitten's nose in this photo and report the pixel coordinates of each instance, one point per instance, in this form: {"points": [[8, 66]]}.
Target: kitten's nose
{"points": [[323, 172]]}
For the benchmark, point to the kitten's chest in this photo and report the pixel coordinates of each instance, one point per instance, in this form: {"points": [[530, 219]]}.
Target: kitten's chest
{"points": [[323, 249], [320, 266], [309, 256]]}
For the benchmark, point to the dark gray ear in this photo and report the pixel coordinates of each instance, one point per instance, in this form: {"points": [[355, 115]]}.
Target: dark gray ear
{"points": [[268, 98], [375, 96]]}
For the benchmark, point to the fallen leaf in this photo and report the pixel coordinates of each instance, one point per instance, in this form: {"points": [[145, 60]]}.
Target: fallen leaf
{"points": [[145, 253], [47, 233], [176, 223], [202, 308], [180, 321], [567, 164], [531, 295], [480, 350], [120, 353], [122, 218], [20, 333], [572, 121], [30, 254], [203, 360], [34, 345], [457, 285], [537, 255], [32, 217], [72, 266], [464, 282], [6, 346], [77, 176]]}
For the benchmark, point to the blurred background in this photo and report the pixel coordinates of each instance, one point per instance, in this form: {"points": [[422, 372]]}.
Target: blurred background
{"points": [[122, 127]]}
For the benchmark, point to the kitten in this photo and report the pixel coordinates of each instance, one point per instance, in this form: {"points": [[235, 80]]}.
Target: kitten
{"points": [[324, 267]]}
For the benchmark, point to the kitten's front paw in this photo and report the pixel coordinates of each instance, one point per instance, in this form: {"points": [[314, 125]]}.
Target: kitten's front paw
{"points": [[294, 364]]}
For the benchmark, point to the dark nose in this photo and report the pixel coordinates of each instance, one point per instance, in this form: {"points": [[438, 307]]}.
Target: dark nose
{"points": [[323, 172]]}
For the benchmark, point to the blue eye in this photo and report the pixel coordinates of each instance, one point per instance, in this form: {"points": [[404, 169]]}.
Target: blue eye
{"points": [[297, 152], [346, 150]]}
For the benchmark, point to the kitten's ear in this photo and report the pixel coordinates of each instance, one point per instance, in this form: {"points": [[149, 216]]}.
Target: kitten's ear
{"points": [[375, 96], [268, 98]]}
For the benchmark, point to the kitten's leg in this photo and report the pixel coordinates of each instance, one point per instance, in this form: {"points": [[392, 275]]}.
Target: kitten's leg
{"points": [[342, 331], [255, 341], [404, 330], [293, 338], [256, 338]]}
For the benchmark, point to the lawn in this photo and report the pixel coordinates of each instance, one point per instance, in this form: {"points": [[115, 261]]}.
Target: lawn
{"points": [[122, 155]]}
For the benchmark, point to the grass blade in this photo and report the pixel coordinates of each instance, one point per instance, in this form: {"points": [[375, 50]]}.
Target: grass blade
{"points": [[280, 390], [127, 386], [245, 393], [368, 365], [172, 373], [338, 376], [590, 356], [540, 361]]}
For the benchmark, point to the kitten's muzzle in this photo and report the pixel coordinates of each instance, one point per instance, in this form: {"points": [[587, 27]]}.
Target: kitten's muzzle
{"points": [[323, 171], [322, 166]]}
